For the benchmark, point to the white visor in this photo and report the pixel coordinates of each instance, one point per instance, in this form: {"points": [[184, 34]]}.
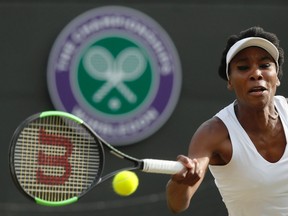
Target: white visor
{"points": [[249, 42]]}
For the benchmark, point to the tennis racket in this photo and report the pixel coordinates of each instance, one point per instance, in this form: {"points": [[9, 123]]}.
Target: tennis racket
{"points": [[56, 158]]}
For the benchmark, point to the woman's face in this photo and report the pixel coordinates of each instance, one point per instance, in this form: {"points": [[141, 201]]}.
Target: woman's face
{"points": [[253, 76]]}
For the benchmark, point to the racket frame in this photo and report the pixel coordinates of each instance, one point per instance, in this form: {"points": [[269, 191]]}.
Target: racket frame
{"points": [[145, 165], [138, 164]]}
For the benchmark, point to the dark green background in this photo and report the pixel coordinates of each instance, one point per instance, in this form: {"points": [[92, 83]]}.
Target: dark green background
{"points": [[199, 30]]}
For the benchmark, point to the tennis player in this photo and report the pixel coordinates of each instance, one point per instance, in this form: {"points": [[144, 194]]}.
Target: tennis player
{"points": [[243, 145]]}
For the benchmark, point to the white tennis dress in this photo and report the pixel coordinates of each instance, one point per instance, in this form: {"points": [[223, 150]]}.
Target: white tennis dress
{"points": [[249, 184]]}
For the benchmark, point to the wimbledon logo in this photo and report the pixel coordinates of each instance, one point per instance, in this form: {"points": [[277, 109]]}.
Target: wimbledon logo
{"points": [[118, 70]]}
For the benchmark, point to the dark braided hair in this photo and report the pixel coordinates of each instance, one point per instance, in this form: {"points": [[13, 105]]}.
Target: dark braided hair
{"points": [[251, 32]]}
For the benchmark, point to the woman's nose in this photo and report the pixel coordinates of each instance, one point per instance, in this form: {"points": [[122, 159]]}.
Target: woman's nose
{"points": [[256, 74]]}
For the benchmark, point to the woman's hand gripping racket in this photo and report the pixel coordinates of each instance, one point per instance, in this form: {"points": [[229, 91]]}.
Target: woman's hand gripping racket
{"points": [[56, 158]]}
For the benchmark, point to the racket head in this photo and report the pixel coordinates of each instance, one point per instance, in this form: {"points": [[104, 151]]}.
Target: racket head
{"points": [[55, 158]]}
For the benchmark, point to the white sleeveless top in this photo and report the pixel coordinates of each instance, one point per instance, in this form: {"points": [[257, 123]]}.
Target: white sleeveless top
{"points": [[249, 184]]}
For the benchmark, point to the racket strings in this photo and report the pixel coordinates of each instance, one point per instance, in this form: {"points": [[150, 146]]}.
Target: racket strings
{"points": [[56, 160]]}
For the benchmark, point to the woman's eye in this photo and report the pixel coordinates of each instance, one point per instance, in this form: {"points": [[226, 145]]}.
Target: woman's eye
{"points": [[242, 68], [267, 65]]}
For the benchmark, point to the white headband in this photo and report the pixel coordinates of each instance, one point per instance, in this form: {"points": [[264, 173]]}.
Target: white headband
{"points": [[249, 42]]}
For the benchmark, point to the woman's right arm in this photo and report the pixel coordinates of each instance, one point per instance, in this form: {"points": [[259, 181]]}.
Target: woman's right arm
{"points": [[202, 150]]}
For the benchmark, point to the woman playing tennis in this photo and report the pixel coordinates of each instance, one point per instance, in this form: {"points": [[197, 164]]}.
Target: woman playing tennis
{"points": [[243, 145]]}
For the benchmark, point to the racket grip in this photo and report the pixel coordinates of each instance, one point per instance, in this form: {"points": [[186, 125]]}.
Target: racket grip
{"points": [[161, 166]]}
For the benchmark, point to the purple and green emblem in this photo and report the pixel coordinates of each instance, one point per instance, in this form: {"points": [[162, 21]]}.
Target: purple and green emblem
{"points": [[118, 70]]}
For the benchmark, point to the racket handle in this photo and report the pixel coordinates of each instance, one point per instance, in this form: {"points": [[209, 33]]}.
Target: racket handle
{"points": [[161, 166]]}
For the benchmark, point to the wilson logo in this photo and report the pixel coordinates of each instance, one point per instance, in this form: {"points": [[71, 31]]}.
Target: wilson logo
{"points": [[49, 160]]}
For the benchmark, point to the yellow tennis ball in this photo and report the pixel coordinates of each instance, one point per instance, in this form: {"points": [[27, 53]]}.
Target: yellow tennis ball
{"points": [[125, 183]]}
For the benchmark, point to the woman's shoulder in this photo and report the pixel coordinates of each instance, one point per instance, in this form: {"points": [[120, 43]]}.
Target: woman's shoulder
{"points": [[213, 126], [211, 132], [212, 139]]}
